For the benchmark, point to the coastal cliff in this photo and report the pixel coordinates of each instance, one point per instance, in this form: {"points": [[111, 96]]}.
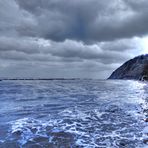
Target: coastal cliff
{"points": [[136, 68]]}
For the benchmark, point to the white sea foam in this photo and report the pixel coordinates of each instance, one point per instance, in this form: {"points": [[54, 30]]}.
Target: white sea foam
{"points": [[84, 113]]}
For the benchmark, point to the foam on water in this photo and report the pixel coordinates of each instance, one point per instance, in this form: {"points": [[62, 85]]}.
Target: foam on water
{"points": [[88, 129], [76, 114]]}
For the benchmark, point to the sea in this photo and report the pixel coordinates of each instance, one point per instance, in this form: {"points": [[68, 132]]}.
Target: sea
{"points": [[73, 113]]}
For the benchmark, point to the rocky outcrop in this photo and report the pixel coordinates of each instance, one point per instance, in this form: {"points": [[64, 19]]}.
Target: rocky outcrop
{"points": [[136, 68]]}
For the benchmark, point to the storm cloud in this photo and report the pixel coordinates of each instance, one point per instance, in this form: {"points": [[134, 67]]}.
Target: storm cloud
{"points": [[60, 38]]}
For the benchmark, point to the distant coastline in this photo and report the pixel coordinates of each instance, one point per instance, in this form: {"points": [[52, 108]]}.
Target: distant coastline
{"points": [[47, 79]]}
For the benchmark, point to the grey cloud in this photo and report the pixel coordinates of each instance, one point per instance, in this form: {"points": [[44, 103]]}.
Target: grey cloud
{"points": [[31, 49], [87, 20], [89, 52], [12, 18], [49, 70], [28, 45], [137, 5], [119, 45], [69, 38]]}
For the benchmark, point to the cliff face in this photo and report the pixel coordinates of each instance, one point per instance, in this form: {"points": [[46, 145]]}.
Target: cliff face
{"points": [[136, 68]]}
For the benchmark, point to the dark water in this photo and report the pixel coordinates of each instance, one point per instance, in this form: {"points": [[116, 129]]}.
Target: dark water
{"points": [[73, 114]]}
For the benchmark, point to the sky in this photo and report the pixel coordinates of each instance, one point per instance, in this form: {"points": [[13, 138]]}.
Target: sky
{"points": [[70, 38]]}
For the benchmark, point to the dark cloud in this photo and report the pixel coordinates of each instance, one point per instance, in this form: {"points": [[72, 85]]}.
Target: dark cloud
{"points": [[69, 38], [32, 49], [86, 20]]}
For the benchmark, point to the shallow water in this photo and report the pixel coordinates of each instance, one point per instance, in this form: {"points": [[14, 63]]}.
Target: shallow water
{"points": [[73, 114]]}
